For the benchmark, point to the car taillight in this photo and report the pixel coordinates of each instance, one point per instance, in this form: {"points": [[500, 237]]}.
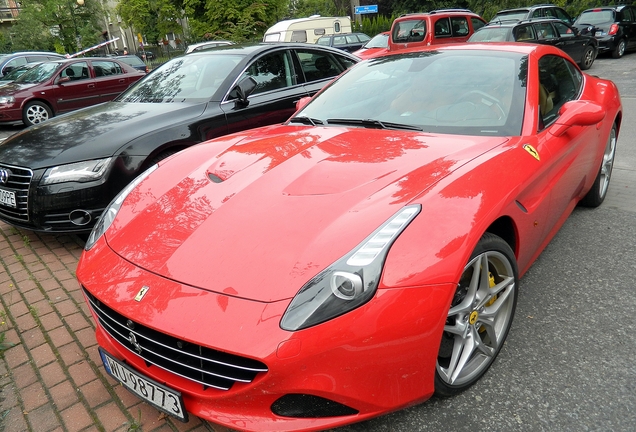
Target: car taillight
{"points": [[613, 29]]}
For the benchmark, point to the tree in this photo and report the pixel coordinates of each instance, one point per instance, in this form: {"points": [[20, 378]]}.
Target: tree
{"points": [[236, 20], [60, 25], [153, 18]]}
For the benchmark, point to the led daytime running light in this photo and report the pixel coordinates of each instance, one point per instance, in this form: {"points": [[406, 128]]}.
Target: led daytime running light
{"points": [[379, 242]]}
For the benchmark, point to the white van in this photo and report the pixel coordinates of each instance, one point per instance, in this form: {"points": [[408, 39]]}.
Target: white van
{"points": [[307, 29]]}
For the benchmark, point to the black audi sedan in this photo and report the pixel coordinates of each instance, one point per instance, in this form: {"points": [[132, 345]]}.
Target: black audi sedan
{"points": [[58, 176]]}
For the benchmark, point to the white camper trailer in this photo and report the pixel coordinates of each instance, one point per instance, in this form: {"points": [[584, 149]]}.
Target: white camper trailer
{"points": [[307, 29]]}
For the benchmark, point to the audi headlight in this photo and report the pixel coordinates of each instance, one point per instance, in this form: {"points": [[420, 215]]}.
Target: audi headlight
{"points": [[107, 218], [349, 282], [77, 172], [7, 99]]}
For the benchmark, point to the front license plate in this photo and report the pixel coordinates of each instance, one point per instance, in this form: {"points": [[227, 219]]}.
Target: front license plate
{"points": [[7, 198], [158, 395]]}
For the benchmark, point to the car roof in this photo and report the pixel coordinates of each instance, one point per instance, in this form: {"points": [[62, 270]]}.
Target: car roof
{"points": [[521, 48], [256, 48], [515, 22], [439, 12]]}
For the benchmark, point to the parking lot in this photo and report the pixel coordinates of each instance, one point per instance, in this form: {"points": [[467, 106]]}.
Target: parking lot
{"points": [[567, 364]]}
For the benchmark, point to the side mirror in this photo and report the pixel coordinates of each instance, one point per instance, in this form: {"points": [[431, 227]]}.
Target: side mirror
{"points": [[577, 113], [302, 102], [244, 89]]}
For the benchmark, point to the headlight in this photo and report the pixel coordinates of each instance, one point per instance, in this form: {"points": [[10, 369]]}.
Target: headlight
{"points": [[107, 218], [76, 172], [7, 99], [349, 282]]}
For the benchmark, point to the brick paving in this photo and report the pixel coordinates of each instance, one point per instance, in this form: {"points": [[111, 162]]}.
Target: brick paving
{"points": [[52, 378]]}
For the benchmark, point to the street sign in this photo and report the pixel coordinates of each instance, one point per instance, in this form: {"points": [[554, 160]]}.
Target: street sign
{"points": [[366, 9]]}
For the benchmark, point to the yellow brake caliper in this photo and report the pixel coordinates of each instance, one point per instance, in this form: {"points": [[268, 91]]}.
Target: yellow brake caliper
{"points": [[491, 283]]}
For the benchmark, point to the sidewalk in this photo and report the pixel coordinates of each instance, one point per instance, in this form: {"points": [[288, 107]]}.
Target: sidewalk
{"points": [[52, 379]]}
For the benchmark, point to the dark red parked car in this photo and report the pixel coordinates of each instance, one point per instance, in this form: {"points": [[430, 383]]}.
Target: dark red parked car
{"points": [[56, 87]]}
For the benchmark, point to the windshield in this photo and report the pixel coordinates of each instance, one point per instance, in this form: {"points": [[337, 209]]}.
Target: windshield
{"points": [[191, 78], [596, 17], [456, 92], [16, 72], [378, 41], [38, 74], [510, 16], [484, 34]]}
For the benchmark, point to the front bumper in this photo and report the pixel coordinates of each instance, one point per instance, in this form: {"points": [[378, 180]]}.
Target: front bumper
{"points": [[373, 360]]}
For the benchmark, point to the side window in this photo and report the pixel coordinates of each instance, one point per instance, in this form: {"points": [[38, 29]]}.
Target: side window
{"points": [[460, 26], [325, 41], [559, 82], [477, 23], [560, 14], [409, 31], [564, 30], [442, 27], [106, 68], [76, 71], [537, 14], [19, 61], [545, 31], [271, 72], [627, 15], [550, 13], [352, 39], [299, 36], [339, 41], [318, 65], [336, 27], [36, 58], [524, 33]]}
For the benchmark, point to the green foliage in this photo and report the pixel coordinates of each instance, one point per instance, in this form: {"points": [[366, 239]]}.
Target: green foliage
{"points": [[374, 25], [306, 8], [237, 20], [152, 18], [43, 24]]}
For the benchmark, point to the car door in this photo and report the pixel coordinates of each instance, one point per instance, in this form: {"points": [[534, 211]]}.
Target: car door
{"points": [[628, 23], [273, 100], [569, 154], [73, 88], [317, 68], [110, 79], [569, 41]]}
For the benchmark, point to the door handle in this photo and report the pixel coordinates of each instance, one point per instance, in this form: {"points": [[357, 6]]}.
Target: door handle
{"points": [[91, 86]]}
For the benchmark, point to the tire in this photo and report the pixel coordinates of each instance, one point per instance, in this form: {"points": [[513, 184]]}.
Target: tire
{"points": [[36, 112], [588, 58], [619, 50], [597, 194], [479, 317]]}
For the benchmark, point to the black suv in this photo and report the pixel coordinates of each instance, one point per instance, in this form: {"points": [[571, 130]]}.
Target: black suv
{"points": [[613, 26], [349, 42], [534, 11], [582, 48]]}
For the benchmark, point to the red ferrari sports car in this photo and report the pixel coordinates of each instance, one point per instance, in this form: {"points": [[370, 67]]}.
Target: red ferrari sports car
{"points": [[359, 258]]}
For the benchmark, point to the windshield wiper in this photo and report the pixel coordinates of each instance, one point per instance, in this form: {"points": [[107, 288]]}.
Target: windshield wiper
{"points": [[306, 120], [372, 123]]}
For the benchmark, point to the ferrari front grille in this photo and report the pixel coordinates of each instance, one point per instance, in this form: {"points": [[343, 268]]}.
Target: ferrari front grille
{"points": [[206, 366], [18, 180]]}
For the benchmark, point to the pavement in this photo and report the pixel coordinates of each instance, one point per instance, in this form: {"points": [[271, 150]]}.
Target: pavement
{"points": [[51, 376]]}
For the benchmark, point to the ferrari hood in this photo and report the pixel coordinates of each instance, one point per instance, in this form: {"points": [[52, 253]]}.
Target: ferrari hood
{"points": [[258, 217], [91, 133]]}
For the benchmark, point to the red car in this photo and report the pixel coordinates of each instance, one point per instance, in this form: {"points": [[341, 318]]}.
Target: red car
{"points": [[56, 87], [377, 45], [359, 258]]}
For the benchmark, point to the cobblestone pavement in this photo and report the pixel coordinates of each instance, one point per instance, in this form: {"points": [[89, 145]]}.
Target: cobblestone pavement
{"points": [[52, 378]]}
